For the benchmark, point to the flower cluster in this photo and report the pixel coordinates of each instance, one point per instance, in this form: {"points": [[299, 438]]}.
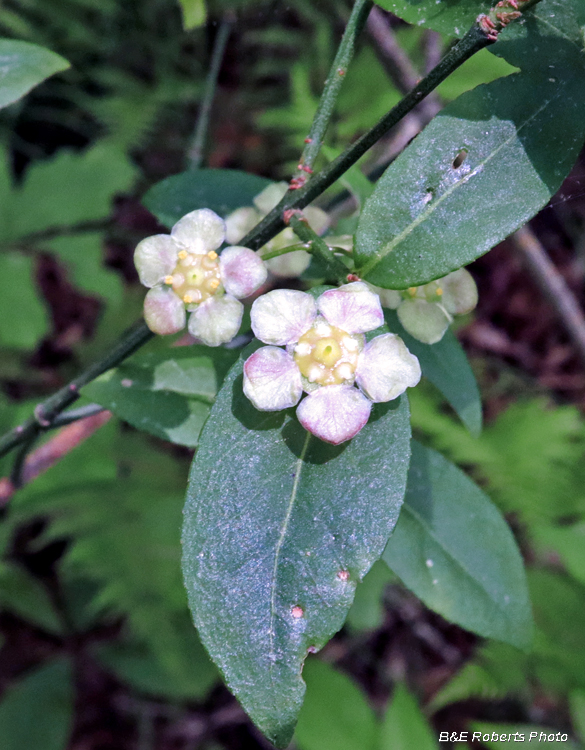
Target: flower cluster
{"points": [[242, 220], [185, 274], [326, 356], [427, 311]]}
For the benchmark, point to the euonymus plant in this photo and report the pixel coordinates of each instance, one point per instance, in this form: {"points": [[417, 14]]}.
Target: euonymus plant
{"points": [[305, 473]]}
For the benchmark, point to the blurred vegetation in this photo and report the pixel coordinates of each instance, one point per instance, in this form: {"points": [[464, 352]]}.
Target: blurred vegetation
{"points": [[90, 580]]}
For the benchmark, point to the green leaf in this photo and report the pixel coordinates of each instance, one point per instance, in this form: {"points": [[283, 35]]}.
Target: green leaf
{"points": [[454, 550], [23, 66], [221, 190], [404, 726], [166, 393], [279, 528], [68, 189], [427, 218], [446, 365], [24, 595], [23, 317], [335, 713], [453, 17], [577, 705], [36, 712], [194, 13], [550, 38], [500, 736]]}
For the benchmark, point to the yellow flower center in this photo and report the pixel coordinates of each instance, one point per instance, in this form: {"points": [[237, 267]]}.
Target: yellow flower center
{"points": [[196, 277], [326, 355]]}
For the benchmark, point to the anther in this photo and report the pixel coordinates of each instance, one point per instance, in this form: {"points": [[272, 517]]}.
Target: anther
{"points": [[212, 255], [297, 612], [182, 254], [169, 280], [412, 291], [439, 292], [188, 299]]}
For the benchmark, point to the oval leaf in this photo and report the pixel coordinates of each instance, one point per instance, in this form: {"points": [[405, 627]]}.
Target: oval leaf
{"points": [[427, 217], [23, 66], [446, 365], [279, 528], [453, 17], [221, 190], [453, 549], [165, 393]]}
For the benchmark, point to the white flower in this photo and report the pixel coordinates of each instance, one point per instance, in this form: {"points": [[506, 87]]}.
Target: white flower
{"points": [[326, 355], [185, 274], [242, 220], [427, 311]]}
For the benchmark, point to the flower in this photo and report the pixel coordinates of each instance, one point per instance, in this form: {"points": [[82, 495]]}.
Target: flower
{"points": [[185, 274], [427, 311], [242, 220], [326, 354]]}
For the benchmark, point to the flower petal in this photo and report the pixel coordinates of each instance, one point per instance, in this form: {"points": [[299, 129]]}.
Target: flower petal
{"points": [[282, 316], [386, 368], [334, 413], [155, 257], [389, 298], [270, 197], [164, 312], [199, 231], [426, 321], [242, 271], [217, 320], [239, 223], [272, 380], [459, 292], [290, 265], [353, 308]]}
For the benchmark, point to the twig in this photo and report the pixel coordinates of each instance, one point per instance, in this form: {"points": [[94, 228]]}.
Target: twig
{"points": [[138, 335], [53, 451], [319, 248], [195, 152], [553, 286], [344, 55], [475, 39]]}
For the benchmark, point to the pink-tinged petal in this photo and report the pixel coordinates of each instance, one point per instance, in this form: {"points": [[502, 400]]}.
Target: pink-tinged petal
{"points": [[239, 223], [199, 231], [270, 197], [242, 271], [334, 413], [164, 312], [217, 320], [353, 308], [155, 257], [386, 368], [426, 321], [272, 380], [459, 292], [282, 316]]}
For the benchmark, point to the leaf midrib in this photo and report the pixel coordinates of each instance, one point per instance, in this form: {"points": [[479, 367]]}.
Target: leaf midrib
{"points": [[273, 581], [387, 249]]}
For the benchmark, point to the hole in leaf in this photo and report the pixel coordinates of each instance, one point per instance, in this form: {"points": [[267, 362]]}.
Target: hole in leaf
{"points": [[460, 158]]}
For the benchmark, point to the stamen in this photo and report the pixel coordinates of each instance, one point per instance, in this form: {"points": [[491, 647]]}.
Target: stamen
{"points": [[412, 291], [439, 292], [182, 254], [212, 255], [169, 280]]}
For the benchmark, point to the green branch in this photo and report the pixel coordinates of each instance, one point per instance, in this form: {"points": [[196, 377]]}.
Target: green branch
{"points": [[195, 153], [344, 55], [46, 412]]}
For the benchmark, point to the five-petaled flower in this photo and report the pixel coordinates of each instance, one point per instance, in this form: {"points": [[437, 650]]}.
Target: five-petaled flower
{"points": [[326, 354], [427, 311], [185, 274]]}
